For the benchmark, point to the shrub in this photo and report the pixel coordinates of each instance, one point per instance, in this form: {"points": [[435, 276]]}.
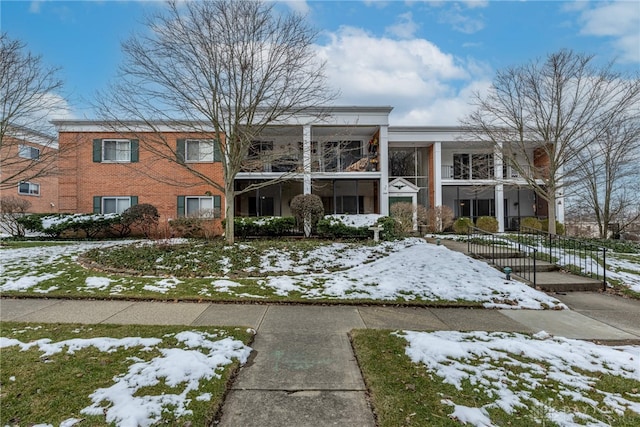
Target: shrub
{"points": [[54, 225], [332, 228], [263, 226], [530, 222], [143, 217], [403, 213], [187, 227], [488, 224], [462, 225], [439, 219], [12, 208], [308, 210], [392, 229], [545, 226]]}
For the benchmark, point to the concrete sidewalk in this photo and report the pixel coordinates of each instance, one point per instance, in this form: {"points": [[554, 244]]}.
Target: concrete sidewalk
{"points": [[302, 370]]}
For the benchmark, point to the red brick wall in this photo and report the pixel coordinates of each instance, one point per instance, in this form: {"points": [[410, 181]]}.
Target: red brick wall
{"points": [[153, 179], [11, 163]]}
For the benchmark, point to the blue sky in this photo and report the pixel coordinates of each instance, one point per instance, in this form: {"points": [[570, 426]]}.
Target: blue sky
{"points": [[424, 58]]}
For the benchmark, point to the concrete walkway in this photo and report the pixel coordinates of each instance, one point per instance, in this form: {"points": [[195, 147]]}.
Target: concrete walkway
{"points": [[302, 371]]}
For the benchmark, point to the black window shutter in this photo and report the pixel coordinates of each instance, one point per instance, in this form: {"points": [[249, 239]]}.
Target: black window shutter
{"points": [[181, 211], [97, 150], [134, 200], [180, 150], [217, 152], [217, 206], [97, 204], [135, 149]]}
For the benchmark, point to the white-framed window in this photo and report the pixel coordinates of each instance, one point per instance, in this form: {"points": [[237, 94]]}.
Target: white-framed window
{"points": [[116, 150], [28, 152], [115, 204], [199, 150], [199, 207], [29, 189]]}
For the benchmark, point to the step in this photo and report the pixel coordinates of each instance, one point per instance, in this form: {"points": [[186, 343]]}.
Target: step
{"points": [[559, 281], [541, 267]]}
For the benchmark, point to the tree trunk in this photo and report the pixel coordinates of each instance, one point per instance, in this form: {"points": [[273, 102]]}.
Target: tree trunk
{"points": [[229, 214], [552, 212]]}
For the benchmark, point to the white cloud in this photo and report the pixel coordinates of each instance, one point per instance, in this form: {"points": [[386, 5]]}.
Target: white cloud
{"points": [[620, 20], [34, 6], [424, 84], [404, 28], [299, 6], [461, 22]]}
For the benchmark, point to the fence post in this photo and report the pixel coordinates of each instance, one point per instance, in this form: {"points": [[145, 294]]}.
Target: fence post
{"points": [[535, 255], [604, 269]]}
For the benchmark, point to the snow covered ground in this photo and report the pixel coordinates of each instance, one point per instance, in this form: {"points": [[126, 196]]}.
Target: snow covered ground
{"points": [[509, 369], [405, 270], [199, 356]]}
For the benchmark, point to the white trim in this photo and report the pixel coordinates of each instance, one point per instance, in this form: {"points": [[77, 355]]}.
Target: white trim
{"points": [[437, 174], [116, 140]]}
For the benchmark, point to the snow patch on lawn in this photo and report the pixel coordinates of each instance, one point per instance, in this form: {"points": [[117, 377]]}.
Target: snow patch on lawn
{"points": [[490, 361], [183, 368], [25, 282]]}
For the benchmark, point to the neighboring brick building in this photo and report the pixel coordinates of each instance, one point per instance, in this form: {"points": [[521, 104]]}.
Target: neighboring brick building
{"points": [[106, 172], [28, 168], [352, 159]]}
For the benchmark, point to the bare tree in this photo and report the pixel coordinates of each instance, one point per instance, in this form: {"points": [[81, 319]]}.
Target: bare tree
{"points": [[608, 175], [559, 106], [28, 97], [227, 69]]}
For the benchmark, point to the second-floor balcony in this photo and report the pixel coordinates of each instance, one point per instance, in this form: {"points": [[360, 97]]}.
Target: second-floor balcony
{"points": [[466, 173]]}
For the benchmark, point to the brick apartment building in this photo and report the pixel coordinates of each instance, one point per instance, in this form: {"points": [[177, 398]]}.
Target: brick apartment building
{"points": [[28, 168], [354, 160]]}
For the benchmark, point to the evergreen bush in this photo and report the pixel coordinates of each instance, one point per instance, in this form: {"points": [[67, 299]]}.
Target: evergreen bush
{"points": [[462, 225], [488, 224]]}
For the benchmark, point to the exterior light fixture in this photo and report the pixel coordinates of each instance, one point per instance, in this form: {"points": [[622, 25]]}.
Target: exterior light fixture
{"points": [[507, 272]]}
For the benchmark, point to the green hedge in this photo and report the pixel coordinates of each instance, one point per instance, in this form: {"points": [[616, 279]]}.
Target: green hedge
{"points": [[55, 225], [263, 226], [488, 224], [462, 225]]}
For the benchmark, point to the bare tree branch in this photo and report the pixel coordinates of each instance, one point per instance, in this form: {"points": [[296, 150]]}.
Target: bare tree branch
{"points": [[225, 68], [28, 97], [559, 106]]}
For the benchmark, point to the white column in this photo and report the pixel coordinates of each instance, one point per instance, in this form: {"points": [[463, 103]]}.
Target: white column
{"points": [[437, 174], [306, 158], [383, 155], [499, 190]]}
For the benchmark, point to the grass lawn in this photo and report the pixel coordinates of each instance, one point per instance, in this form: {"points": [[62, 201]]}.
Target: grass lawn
{"points": [[54, 378], [409, 272], [511, 379]]}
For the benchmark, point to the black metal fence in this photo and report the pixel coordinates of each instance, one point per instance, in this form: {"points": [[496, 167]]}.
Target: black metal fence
{"points": [[502, 252], [524, 250], [574, 255]]}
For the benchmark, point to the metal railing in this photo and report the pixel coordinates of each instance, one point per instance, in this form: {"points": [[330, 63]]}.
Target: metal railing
{"points": [[502, 252], [574, 255]]}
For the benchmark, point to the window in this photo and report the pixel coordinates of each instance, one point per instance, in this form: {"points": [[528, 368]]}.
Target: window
{"points": [[482, 166], [115, 150], [199, 207], [461, 166], [115, 204], [29, 189], [474, 166], [28, 152], [339, 155], [199, 150]]}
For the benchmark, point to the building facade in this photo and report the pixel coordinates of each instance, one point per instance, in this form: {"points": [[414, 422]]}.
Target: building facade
{"points": [[28, 169], [352, 158]]}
